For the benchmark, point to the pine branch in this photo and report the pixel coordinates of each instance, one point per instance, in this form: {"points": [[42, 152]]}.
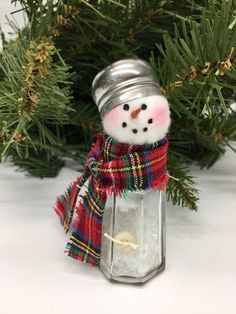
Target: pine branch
{"points": [[180, 187], [197, 71], [214, 136], [200, 60], [41, 164], [34, 93]]}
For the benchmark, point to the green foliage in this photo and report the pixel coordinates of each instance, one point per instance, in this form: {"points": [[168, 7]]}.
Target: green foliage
{"points": [[35, 96], [181, 188], [40, 164], [198, 75], [191, 44]]}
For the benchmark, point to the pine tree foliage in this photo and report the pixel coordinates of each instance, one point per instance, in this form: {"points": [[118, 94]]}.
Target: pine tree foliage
{"points": [[35, 96], [191, 45], [198, 77]]}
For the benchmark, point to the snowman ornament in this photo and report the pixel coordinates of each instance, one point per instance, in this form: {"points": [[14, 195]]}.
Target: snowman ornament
{"points": [[139, 121], [116, 209]]}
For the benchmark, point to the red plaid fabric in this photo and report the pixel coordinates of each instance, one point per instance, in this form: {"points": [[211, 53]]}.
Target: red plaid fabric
{"points": [[110, 167]]}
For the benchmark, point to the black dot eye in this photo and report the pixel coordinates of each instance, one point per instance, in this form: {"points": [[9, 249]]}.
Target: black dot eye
{"points": [[150, 121], [144, 107], [135, 131], [126, 107], [145, 129], [124, 124]]}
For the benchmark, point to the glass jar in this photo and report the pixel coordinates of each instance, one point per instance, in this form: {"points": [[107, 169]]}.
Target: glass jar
{"points": [[133, 236]]}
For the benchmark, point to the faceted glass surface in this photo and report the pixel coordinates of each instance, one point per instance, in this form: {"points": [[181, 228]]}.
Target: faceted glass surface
{"points": [[138, 219]]}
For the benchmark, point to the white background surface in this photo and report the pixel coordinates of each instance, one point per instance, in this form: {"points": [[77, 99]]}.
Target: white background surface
{"points": [[36, 277]]}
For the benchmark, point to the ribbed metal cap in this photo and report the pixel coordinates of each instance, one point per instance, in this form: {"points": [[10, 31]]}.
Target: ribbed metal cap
{"points": [[123, 81]]}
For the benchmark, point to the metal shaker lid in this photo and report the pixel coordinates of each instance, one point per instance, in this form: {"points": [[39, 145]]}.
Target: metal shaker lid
{"points": [[123, 81]]}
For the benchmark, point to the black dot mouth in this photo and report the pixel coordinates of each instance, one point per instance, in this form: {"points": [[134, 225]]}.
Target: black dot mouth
{"points": [[135, 131], [150, 121]]}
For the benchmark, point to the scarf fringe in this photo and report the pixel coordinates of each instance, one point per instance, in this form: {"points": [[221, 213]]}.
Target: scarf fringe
{"points": [[65, 204]]}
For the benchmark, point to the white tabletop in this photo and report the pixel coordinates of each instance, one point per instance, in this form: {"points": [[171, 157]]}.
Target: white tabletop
{"points": [[37, 277]]}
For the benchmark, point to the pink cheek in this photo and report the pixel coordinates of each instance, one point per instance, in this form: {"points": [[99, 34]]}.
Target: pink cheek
{"points": [[113, 117], [160, 115]]}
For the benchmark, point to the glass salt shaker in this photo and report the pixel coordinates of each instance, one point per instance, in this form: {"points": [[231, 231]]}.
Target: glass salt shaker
{"points": [[133, 227], [133, 236]]}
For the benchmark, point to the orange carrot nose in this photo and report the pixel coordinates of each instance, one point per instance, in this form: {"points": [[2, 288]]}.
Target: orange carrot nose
{"points": [[135, 113]]}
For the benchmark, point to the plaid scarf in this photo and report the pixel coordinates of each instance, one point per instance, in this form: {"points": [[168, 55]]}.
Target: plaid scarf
{"points": [[110, 167]]}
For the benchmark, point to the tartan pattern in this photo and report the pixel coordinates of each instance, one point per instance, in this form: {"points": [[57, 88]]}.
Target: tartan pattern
{"points": [[110, 167]]}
